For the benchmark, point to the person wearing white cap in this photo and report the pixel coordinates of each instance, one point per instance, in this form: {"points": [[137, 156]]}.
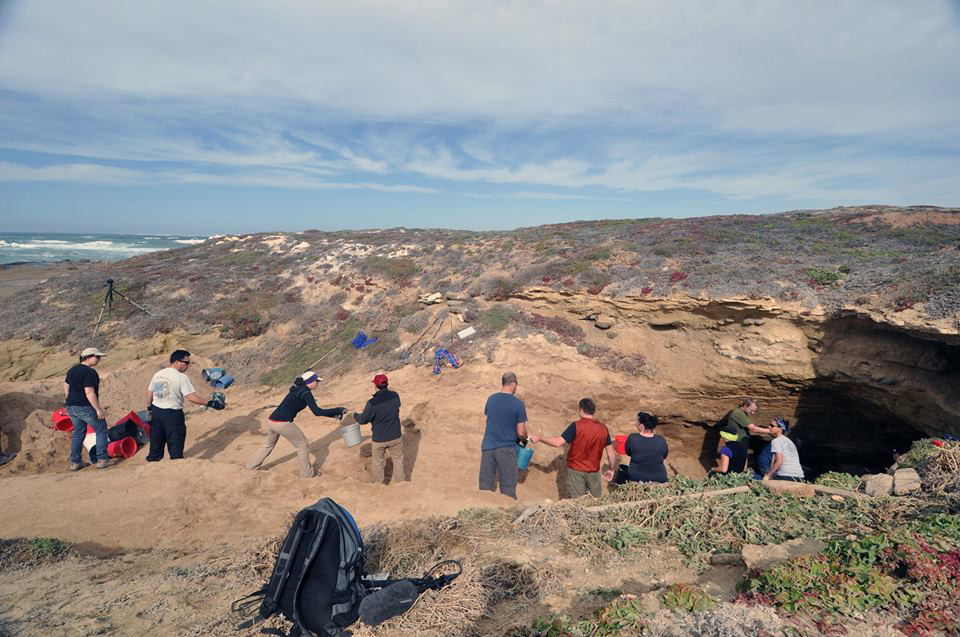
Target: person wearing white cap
{"points": [[280, 422], [81, 388]]}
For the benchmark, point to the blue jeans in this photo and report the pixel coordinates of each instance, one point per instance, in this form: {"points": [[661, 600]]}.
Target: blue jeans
{"points": [[81, 417]]}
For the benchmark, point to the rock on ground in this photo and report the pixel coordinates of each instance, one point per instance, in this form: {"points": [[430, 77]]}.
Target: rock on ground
{"points": [[786, 487], [605, 322], [763, 558], [878, 484], [906, 481]]}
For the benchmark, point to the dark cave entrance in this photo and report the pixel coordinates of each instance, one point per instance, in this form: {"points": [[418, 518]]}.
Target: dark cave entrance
{"points": [[838, 429]]}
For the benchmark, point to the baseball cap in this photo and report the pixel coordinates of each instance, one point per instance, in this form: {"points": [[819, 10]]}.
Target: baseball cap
{"points": [[91, 351], [380, 379], [782, 424], [309, 377]]}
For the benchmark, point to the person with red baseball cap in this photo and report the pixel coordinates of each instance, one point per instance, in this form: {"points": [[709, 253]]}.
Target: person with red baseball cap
{"points": [[383, 412]]}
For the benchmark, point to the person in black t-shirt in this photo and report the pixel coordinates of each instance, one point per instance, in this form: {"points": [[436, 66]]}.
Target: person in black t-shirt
{"points": [[647, 451], [280, 422], [81, 388]]}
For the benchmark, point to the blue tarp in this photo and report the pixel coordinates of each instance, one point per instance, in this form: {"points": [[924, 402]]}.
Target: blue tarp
{"points": [[361, 340]]}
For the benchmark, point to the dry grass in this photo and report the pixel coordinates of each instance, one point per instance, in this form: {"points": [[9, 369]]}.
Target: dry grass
{"points": [[477, 537]]}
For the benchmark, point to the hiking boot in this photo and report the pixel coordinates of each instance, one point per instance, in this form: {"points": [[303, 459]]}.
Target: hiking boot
{"points": [[76, 466], [104, 464]]}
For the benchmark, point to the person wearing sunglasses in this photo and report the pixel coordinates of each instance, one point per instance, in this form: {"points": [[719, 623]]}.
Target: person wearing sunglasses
{"points": [[167, 391]]}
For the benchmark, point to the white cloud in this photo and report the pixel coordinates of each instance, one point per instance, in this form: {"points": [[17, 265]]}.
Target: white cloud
{"points": [[764, 65], [744, 99], [99, 174]]}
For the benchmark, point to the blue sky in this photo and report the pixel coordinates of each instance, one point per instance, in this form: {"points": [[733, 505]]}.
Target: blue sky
{"points": [[233, 116]]}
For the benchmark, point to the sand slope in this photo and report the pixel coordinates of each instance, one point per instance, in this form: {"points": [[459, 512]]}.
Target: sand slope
{"points": [[211, 498]]}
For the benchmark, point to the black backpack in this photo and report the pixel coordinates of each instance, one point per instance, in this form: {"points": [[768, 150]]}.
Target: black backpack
{"points": [[316, 581]]}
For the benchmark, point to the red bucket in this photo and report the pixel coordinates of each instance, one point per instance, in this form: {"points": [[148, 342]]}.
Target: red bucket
{"points": [[123, 448], [61, 421], [619, 443]]}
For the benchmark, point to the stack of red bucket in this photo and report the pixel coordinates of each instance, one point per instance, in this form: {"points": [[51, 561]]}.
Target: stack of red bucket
{"points": [[126, 436]]}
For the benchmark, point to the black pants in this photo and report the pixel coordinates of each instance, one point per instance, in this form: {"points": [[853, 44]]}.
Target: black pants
{"points": [[167, 427], [788, 478]]}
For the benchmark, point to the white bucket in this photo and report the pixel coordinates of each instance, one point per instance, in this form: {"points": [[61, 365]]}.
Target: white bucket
{"points": [[89, 441], [351, 435]]}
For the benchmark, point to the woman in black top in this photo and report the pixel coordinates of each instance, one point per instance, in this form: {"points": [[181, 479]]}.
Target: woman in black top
{"points": [[280, 422], [647, 451]]}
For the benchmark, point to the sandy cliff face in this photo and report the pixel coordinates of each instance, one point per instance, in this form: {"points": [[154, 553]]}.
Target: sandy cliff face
{"points": [[860, 384]]}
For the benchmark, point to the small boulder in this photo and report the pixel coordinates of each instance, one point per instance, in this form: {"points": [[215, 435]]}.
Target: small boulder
{"points": [[749, 321], [786, 487], [612, 335], [605, 322], [801, 547], [758, 557], [430, 299], [726, 559], [878, 484], [763, 558], [906, 481], [457, 296]]}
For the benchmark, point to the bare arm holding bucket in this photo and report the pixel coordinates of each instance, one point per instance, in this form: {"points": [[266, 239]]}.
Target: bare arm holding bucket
{"points": [[612, 462]]}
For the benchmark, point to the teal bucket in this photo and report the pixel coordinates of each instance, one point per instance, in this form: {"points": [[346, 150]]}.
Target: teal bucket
{"points": [[523, 457]]}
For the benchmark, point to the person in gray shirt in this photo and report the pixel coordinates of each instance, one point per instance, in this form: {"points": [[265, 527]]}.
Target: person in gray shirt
{"points": [[785, 461]]}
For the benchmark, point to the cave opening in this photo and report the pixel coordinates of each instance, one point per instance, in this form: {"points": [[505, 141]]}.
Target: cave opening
{"points": [[837, 429]]}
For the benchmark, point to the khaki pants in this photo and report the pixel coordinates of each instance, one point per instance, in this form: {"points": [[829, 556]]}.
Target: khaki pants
{"points": [[581, 483], [380, 450], [292, 433]]}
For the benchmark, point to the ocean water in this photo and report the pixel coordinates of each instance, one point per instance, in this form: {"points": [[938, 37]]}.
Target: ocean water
{"points": [[39, 247]]}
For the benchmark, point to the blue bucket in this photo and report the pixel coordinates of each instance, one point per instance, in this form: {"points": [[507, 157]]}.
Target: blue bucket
{"points": [[523, 457], [212, 373], [223, 382]]}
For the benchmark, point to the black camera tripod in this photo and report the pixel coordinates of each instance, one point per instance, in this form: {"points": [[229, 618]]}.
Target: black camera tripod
{"points": [[108, 303]]}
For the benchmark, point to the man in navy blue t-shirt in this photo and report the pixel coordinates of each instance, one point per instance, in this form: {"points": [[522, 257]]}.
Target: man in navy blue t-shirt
{"points": [[506, 422]]}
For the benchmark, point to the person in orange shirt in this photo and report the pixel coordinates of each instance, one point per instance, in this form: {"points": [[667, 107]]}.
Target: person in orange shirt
{"points": [[588, 438]]}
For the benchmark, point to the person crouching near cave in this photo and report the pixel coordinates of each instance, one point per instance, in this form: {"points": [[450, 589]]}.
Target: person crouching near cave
{"points": [[167, 391], [280, 422], [382, 411], [732, 459], [588, 438], [785, 460]]}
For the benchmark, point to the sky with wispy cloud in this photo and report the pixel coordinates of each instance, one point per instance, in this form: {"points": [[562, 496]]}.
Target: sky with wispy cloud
{"points": [[234, 115]]}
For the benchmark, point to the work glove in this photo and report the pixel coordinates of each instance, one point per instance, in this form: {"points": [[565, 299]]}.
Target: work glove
{"points": [[215, 404]]}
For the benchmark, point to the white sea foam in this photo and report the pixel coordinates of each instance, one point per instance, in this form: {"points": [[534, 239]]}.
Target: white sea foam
{"points": [[90, 246], [189, 241]]}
